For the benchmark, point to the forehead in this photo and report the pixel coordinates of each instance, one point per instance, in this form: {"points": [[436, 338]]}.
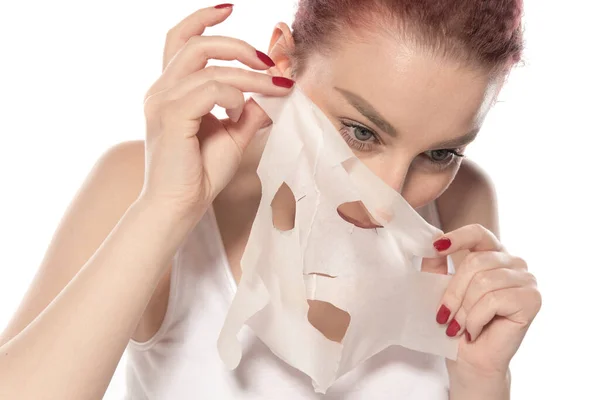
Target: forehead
{"points": [[412, 88]]}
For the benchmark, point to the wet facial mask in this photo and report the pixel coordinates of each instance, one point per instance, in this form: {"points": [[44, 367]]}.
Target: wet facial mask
{"points": [[372, 274]]}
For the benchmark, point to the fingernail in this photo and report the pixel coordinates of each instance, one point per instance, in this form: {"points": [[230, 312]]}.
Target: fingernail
{"points": [[283, 82], [442, 244], [468, 335], [442, 315], [453, 328], [224, 5], [265, 58]]}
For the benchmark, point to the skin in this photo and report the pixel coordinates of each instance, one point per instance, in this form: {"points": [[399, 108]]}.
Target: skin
{"points": [[425, 101], [135, 188]]}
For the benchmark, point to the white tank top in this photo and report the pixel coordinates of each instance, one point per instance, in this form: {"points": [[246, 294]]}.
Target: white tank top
{"points": [[181, 362]]}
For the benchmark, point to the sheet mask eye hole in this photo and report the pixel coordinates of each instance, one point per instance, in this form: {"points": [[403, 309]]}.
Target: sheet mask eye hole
{"points": [[356, 213], [283, 208]]}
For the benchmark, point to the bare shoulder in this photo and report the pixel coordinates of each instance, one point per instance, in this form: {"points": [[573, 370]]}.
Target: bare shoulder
{"points": [[470, 199], [125, 157], [111, 186]]}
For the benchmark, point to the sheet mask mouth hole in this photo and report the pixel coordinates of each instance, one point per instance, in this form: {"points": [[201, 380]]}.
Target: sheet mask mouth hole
{"points": [[435, 265], [283, 208], [356, 214], [331, 321]]}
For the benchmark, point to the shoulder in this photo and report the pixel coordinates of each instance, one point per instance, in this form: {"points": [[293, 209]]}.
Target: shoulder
{"points": [[118, 173], [473, 180], [123, 158], [108, 190], [470, 199]]}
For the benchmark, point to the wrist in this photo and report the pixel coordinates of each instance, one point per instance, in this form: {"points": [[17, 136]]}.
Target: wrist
{"points": [[166, 227], [467, 385], [166, 215]]}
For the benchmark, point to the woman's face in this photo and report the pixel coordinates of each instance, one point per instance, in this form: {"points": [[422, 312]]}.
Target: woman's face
{"points": [[407, 115]]}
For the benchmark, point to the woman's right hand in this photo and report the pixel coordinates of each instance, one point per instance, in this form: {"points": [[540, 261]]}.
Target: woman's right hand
{"points": [[190, 154]]}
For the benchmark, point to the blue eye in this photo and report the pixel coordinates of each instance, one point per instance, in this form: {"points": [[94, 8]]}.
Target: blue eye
{"points": [[443, 158], [362, 134], [358, 137], [441, 155]]}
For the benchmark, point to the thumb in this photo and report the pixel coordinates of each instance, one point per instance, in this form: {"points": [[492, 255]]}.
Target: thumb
{"points": [[252, 119]]}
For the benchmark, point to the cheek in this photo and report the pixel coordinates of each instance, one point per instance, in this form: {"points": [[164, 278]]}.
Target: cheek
{"points": [[421, 187]]}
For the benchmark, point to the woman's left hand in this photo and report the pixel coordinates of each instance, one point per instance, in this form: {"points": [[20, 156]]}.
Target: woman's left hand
{"points": [[491, 300]]}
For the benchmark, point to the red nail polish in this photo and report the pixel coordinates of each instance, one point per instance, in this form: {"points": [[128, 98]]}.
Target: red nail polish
{"points": [[442, 244], [468, 335], [224, 5], [283, 82], [265, 58], [453, 328], [442, 315]]}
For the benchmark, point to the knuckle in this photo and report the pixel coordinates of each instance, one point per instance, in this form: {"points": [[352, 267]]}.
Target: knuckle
{"points": [[196, 44], [211, 71], [452, 299], [151, 106], [211, 86], [472, 323], [479, 230], [492, 300], [532, 279], [536, 300], [172, 33], [520, 263], [471, 260], [482, 282]]}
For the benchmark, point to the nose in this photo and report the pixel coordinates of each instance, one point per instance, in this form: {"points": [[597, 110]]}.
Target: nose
{"points": [[392, 170]]}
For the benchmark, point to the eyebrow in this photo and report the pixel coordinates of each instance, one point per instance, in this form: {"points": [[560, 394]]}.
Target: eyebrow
{"points": [[367, 110], [458, 142]]}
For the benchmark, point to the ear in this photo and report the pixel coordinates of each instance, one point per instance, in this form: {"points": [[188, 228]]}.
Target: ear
{"points": [[281, 44]]}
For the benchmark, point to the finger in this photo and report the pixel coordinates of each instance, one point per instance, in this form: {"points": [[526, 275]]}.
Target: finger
{"points": [[472, 264], [199, 102], [252, 119], [488, 281], [234, 114], [482, 283], [242, 79], [192, 25], [520, 305], [473, 237], [199, 49]]}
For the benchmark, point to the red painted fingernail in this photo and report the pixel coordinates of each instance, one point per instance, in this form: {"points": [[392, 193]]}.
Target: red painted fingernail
{"points": [[453, 328], [468, 335], [265, 58], [442, 315], [442, 244], [283, 82], [224, 5]]}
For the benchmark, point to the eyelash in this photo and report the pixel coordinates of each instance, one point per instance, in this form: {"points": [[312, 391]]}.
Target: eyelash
{"points": [[368, 146]]}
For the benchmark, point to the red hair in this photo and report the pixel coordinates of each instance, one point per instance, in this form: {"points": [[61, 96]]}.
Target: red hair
{"points": [[485, 33]]}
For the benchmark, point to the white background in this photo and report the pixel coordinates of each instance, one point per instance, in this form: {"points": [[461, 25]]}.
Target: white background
{"points": [[72, 78]]}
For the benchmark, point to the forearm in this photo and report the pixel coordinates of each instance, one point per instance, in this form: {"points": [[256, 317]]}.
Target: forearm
{"points": [[463, 387], [73, 347]]}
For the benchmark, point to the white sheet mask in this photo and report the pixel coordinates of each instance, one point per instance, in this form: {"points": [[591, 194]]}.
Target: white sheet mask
{"points": [[373, 274]]}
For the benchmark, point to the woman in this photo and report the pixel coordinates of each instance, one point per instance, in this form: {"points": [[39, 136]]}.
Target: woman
{"points": [[138, 260]]}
